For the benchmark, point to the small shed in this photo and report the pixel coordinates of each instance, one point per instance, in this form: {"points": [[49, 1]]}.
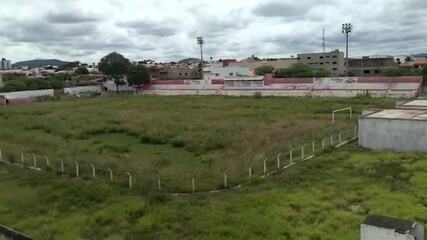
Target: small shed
{"points": [[387, 228], [399, 130]]}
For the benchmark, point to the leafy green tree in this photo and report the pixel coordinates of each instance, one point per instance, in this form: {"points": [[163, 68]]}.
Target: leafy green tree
{"points": [[262, 70], [115, 66], [298, 70], [400, 72], [138, 74], [82, 71], [322, 73]]}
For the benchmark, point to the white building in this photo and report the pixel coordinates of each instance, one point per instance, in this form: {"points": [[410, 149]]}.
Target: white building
{"points": [[386, 228], [215, 71], [5, 64]]}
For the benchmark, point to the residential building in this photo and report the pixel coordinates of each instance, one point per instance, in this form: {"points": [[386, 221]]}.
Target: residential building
{"points": [[5, 64], [420, 62], [386, 228], [220, 70], [333, 61], [371, 66]]}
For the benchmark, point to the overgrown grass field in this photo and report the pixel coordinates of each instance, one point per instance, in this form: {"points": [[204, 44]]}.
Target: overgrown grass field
{"points": [[178, 138], [324, 198]]}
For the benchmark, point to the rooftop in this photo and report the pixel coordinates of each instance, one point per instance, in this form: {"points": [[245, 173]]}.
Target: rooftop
{"points": [[399, 225], [402, 114], [416, 103]]}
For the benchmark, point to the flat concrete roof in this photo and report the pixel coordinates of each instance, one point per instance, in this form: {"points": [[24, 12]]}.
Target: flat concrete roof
{"points": [[400, 114], [416, 103]]}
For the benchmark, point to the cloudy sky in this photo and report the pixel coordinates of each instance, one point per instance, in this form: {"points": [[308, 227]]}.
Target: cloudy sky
{"points": [[166, 30]]}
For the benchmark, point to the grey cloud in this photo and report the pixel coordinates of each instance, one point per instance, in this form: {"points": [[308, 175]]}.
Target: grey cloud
{"points": [[69, 18], [149, 28]]}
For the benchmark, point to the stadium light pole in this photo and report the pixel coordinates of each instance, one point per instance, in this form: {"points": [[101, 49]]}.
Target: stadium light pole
{"points": [[347, 28], [200, 42]]}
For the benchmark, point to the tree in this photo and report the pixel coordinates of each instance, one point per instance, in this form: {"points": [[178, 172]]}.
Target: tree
{"points": [[138, 74], [82, 71], [262, 70], [322, 73], [115, 66], [298, 70]]}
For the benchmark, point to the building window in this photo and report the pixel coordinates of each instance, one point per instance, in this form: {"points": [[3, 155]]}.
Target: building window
{"points": [[231, 74], [335, 69], [321, 57], [328, 56], [377, 71], [180, 74], [186, 74], [366, 71], [321, 63], [334, 56], [308, 58], [335, 63], [327, 62]]}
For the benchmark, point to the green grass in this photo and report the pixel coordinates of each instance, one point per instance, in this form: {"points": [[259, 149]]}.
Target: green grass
{"points": [[323, 198], [176, 137]]}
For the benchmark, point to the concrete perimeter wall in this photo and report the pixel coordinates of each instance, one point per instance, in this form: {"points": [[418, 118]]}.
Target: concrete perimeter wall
{"points": [[393, 134]]}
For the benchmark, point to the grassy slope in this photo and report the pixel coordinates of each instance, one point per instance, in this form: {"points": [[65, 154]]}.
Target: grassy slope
{"points": [[172, 134], [324, 198]]}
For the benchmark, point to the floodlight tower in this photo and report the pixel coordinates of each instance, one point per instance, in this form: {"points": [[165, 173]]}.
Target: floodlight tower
{"points": [[200, 42], [347, 28]]}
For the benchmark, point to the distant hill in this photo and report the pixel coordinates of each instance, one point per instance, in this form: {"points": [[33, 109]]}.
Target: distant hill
{"points": [[189, 60], [420, 55], [39, 63]]}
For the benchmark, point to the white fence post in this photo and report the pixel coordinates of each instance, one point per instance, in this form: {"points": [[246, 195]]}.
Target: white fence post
{"points": [[291, 160], [34, 161], [250, 170], [47, 161], [278, 160], [225, 179], [77, 170], [323, 144], [355, 131], [193, 184], [22, 158], [159, 183], [62, 166], [111, 174], [302, 152], [1, 155], [265, 167], [130, 180], [93, 171], [314, 147], [332, 140]]}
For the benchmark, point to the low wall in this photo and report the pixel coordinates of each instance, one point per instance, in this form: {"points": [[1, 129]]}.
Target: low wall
{"points": [[74, 91], [9, 234], [28, 94]]}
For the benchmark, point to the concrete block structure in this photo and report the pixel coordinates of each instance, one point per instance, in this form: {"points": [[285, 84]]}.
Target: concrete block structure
{"points": [[371, 66], [331, 61], [399, 130], [387, 228]]}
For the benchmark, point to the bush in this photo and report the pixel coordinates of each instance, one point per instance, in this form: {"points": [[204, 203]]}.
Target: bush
{"points": [[262, 70]]}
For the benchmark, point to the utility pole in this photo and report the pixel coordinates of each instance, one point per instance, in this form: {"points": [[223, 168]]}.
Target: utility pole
{"points": [[324, 41], [200, 42], [347, 28]]}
